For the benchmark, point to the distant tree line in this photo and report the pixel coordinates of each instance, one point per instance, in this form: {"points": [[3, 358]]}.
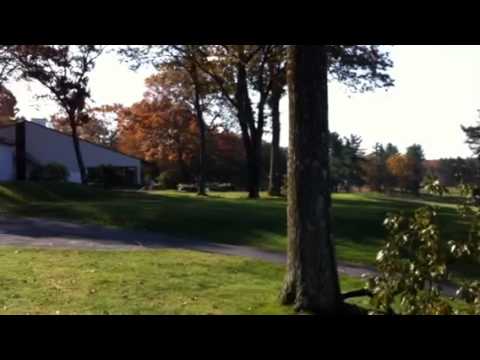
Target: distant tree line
{"points": [[384, 169], [346, 162], [244, 84], [162, 129], [453, 171]]}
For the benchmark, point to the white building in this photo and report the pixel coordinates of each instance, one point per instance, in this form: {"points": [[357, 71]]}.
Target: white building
{"points": [[24, 145]]}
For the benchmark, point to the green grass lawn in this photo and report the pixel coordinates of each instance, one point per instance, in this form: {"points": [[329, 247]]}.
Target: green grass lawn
{"points": [[222, 217], [178, 282], [139, 282]]}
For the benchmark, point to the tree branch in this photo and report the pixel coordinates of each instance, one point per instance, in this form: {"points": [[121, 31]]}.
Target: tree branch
{"points": [[356, 294]]}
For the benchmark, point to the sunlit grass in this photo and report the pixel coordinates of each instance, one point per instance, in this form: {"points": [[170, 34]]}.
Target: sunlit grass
{"points": [[138, 282], [222, 217]]}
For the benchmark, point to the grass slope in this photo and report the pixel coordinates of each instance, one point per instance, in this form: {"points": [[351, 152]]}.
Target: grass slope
{"points": [[225, 218], [150, 282]]}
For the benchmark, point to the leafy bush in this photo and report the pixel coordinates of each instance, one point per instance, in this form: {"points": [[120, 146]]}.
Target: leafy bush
{"points": [[169, 179], [413, 262], [52, 172], [411, 266]]}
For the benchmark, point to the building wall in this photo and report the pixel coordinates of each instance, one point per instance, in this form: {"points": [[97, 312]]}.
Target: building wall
{"points": [[7, 169], [8, 133], [45, 146]]}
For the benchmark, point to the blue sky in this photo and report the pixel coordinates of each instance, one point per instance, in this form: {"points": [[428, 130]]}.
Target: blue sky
{"points": [[437, 89]]}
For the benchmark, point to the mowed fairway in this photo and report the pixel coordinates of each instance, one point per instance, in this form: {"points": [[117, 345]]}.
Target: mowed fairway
{"points": [[222, 217], [170, 281]]}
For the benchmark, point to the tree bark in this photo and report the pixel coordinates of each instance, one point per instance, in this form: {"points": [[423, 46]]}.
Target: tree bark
{"points": [[202, 128], [254, 161], [275, 176], [252, 137], [202, 188], [78, 152], [311, 283], [251, 133]]}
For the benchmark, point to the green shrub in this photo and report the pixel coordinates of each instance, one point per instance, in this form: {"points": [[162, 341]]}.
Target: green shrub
{"points": [[52, 172], [414, 261], [169, 179], [411, 266]]}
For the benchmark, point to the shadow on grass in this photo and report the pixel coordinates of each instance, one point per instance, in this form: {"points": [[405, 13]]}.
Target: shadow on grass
{"points": [[27, 192], [357, 219], [447, 199], [260, 223]]}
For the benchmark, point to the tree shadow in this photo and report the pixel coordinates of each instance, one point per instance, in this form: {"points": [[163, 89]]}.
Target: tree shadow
{"points": [[357, 223]]}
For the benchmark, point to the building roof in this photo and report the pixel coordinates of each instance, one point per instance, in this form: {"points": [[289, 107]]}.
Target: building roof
{"points": [[87, 141]]}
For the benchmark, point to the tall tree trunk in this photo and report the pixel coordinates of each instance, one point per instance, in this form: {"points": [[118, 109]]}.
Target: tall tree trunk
{"points": [[250, 134], [259, 145], [253, 175], [202, 188], [275, 176], [311, 283], [253, 158], [203, 130], [78, 152]]}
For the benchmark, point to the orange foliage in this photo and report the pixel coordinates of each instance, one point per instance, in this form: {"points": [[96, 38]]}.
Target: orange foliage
{"points": [[161, 128], [158, 130], [401, 167]]}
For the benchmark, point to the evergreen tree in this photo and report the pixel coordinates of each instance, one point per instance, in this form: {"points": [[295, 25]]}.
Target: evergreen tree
{"points": [[416, 157]]}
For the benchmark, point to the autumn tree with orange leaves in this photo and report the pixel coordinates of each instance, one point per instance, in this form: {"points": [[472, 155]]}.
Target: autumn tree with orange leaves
{"points": [[179, 74], [401, 168], [162, 128], [159, 129], [408, 169]]}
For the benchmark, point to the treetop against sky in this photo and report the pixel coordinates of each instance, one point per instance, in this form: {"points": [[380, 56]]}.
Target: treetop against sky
{"points": [[435, 92]]}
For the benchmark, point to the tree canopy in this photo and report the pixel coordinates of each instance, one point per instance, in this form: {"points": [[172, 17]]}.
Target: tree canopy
{"points": [[8, 104]]}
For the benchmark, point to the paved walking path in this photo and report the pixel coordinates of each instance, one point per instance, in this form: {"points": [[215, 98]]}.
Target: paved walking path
{"points": [[36, 232]]}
